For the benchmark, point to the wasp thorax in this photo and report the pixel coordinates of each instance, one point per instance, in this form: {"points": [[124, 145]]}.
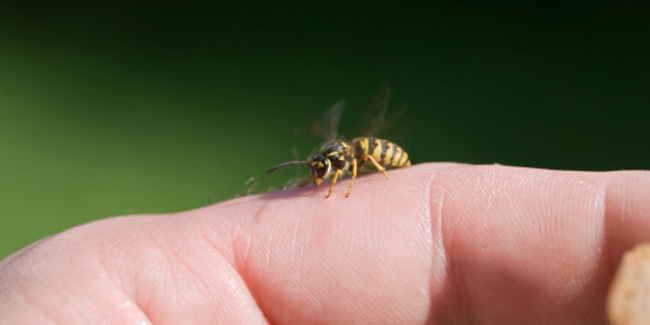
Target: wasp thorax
{"points": [[319, 167]]}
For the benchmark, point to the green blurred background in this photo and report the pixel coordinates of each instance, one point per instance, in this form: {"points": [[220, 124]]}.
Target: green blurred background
{"points": [[118, 108]]}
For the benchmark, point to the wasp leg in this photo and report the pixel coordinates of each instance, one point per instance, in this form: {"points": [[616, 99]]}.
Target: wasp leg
{"points": [[381, 169], [354, 175], [336, 175], [306, 182]]}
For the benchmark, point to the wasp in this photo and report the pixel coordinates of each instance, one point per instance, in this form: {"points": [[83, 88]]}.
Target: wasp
{"points": [[337, 157]]}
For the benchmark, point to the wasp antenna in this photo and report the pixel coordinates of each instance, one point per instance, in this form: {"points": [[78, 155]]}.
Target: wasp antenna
{"points": [[282, 165]]}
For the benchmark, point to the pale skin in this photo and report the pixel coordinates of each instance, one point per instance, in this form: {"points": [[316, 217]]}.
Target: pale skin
{"points": [[437, 243]]}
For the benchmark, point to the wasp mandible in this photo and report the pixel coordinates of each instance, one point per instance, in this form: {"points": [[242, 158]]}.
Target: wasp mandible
{"points": [[339, 157]]}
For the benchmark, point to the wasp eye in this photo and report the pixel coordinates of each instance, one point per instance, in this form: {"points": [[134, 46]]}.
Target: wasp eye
{"points": [[319, 166]]}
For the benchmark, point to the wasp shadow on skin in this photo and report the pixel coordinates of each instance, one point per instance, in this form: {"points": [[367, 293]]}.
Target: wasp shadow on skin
{"points": [[309, 190]]}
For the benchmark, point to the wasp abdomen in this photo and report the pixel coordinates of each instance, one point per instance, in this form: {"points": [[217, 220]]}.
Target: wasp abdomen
{"points": [[386, 153]]}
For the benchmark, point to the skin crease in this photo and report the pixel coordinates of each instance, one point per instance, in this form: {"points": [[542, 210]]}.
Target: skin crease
{"points": [[438, 243]]}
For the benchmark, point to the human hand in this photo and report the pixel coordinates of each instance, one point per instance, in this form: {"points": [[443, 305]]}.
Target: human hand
{"points": [[438, 243]]}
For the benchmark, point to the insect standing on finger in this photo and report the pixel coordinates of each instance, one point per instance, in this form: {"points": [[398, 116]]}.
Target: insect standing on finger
{"points": [[338, 157]]}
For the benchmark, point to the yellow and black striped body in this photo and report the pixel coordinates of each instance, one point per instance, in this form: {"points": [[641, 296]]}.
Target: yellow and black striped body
{"points": [[386, 153]]}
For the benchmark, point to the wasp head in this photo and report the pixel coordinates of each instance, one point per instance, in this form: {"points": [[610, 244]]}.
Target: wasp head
{"points": [[319, 167]]}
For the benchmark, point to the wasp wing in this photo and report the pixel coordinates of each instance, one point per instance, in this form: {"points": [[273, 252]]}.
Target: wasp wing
{"points": [[326, 124], [375, 120], [378, 120]]}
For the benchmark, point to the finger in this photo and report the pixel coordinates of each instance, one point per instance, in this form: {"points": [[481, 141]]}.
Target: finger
{"points": [[437, 242]]}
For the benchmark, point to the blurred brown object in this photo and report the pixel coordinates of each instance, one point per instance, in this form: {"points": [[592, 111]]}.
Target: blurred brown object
{"points": [[628, 302]]}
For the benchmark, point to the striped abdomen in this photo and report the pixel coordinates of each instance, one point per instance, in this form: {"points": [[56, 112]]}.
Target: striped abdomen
{"points": [[383, 151]]}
